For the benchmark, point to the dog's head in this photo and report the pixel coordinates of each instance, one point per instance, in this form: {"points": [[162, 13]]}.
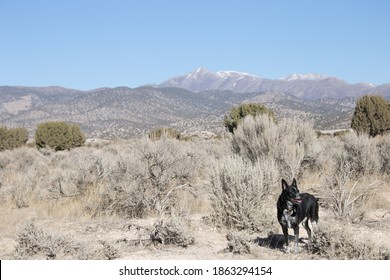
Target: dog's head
{"points": [[291, 192]]}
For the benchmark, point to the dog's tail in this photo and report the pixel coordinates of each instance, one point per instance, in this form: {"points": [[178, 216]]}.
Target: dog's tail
{"points": [[314, 212]]}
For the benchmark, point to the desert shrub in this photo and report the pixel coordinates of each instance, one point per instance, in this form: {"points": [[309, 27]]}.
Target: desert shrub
{"points": [[289, 142], [22, 171], [136, 178], [168, 132], [103, 179], [384, 155], [36, 242], [237, 114], [362, 155], [173, 231], [123, 178], [11, 138], [22, 192], [344, 191], [33, 240], [29, 175], [167, 168], [333, 242], [371, 115], [240, 193], [109, 251], [77, 136], [238, 243], [256, 138], [59, 136], [133, 179], [296, 149]]}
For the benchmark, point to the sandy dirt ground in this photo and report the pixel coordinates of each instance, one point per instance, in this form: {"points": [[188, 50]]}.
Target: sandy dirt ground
{"points": [[125, 237]]}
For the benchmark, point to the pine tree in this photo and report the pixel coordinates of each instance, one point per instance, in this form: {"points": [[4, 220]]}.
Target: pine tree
{"points": [[11, 138], [371, 115], [238, 113], [58, 136]]}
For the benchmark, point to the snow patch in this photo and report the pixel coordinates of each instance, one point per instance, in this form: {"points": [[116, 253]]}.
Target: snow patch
{"points": [[224, 74], [308, 77]]}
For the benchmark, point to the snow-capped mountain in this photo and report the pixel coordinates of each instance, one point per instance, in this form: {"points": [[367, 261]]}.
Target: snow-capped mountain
{"points": [[308, 86], [202, 79]]}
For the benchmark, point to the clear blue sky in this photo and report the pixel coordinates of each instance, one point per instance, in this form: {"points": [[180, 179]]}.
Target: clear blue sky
{"points": [[87, 44]]}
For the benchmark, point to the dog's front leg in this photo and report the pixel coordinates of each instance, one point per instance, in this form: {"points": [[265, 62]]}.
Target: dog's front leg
{"points": [[296, 239], [287, 217], [285, 233]]}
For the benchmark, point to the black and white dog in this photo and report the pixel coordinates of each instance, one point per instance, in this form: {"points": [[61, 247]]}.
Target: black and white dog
{"points": [[295, 208]]}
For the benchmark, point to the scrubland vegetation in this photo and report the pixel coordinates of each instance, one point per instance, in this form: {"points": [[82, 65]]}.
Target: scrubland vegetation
{"points": [[11, 138], [140, 197]]}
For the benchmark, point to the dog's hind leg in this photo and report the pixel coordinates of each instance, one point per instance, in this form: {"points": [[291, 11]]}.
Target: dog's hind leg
{"points": [[306, 226], [314, 216]]}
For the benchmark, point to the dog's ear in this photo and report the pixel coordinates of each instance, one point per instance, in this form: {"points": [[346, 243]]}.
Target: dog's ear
{"points": [[294, 182], [284, 184]]}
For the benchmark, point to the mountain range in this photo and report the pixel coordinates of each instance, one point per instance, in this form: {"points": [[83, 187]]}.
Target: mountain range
{"points": [[306, 86], [193, 102]]}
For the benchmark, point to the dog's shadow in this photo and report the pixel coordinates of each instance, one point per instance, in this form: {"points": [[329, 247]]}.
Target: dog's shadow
{"points": [[274, 241]]}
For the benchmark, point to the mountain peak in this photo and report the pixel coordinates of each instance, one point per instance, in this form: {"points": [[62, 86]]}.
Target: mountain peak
{"points": [[202, 79], [201, 70]]}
